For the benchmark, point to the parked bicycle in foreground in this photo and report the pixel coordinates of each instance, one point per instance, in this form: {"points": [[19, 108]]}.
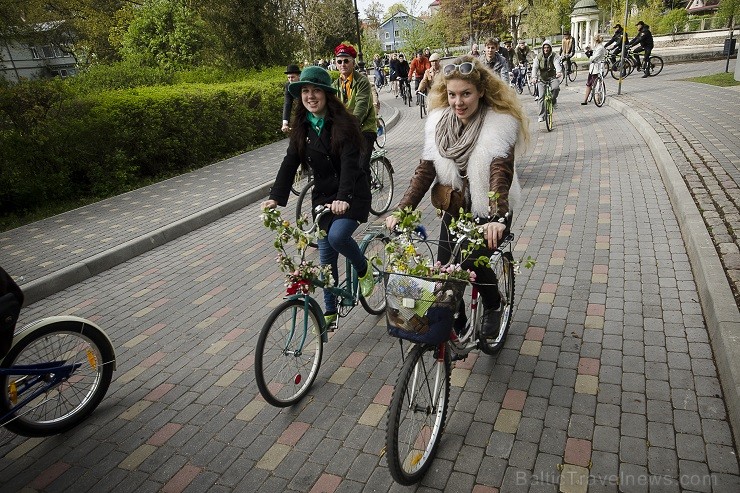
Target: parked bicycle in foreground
{"points": [[423, 309], [291, 342], [53, 372]]}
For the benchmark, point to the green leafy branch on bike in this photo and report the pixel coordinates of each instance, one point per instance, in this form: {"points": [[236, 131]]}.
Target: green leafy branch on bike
{"points": [[301, 275]]}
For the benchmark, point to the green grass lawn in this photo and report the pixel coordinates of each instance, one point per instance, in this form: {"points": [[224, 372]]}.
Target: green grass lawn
{"points": [[722, 80]]}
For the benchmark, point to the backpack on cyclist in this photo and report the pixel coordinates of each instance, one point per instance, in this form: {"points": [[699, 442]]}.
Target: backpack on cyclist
{"points": [[11, 300]]}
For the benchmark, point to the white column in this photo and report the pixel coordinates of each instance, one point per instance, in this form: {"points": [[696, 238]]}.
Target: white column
{"points": [[587, 41]]}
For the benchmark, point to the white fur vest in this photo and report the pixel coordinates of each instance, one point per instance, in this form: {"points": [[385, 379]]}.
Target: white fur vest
{"points": [[497, 139]]}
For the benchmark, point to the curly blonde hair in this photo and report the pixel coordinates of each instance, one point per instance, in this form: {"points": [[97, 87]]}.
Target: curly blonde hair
{"points": [[496, 93]]}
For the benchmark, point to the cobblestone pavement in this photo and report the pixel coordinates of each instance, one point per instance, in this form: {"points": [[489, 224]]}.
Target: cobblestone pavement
{"points": [[699, 126], [607, 377]]}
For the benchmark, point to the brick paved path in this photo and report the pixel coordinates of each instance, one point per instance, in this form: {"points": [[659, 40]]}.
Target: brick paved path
{"points": [[608, 369], [699, 126]]}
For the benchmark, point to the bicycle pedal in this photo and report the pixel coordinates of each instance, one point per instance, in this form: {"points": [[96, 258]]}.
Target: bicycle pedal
{"points": [[458, 357]]}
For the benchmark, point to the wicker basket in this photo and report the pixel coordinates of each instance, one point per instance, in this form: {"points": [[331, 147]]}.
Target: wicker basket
{"points": [[421, 309]]}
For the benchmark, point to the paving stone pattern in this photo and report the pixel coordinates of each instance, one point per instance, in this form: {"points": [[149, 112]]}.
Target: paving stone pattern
{"points": [[606, 382]]}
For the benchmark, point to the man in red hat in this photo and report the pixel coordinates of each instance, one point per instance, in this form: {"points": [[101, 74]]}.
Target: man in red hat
{"points": [[354, 90]]}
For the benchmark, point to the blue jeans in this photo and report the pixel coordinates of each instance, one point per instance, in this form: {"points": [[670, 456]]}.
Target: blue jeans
{"points": [[339, 240]]}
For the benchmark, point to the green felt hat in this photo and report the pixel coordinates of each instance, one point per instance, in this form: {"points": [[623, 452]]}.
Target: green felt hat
{"points": [[315, 76]]}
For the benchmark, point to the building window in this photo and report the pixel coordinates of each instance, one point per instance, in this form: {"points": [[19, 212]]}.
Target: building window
{"points": [[387, 35], [48, 51], [397, 34], [35, 53], [58, 52]]}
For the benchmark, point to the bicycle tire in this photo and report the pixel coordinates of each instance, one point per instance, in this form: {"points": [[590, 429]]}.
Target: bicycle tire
{"points": [[304, 208], [530, 85], [422, 105], [548, 111], [381, 185], [605, 68], [504, 270], [284, 369], [301, 178], [629, 67], [616, 68], [63, 407], [656, 65], [573, 71], [416, 421], [599, 92], [380, 136], [372, 249]]}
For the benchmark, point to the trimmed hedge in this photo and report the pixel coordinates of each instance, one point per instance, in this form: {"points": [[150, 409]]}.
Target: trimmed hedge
{"points": [[100, 145]]}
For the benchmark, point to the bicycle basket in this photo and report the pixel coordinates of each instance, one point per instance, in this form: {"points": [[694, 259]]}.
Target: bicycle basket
{"points": [[420, 309]]}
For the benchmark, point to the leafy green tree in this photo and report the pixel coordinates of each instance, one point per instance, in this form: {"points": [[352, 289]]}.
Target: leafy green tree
{"points": [[251, 33], [325, 24], [165, 33], [729, 10]]}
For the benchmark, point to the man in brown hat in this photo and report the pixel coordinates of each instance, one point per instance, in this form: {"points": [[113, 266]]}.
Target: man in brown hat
{"points": [[354, 90], [294, 73]]}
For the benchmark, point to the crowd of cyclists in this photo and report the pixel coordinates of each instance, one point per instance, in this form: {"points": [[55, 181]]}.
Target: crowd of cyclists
{"points": [[517, 66]]}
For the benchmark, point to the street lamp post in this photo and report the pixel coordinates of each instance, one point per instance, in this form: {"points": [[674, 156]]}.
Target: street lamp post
{"points": [[360, 61]]}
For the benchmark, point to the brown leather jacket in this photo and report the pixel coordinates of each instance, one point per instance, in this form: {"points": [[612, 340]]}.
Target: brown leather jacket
{"points": [[501, 176]]}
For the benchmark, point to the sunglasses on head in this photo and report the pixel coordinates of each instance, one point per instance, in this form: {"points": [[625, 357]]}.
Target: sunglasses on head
{"points": [[464, 68], [342, 61]]}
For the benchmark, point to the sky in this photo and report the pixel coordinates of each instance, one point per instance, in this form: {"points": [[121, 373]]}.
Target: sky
{"points": [[362, 5]]}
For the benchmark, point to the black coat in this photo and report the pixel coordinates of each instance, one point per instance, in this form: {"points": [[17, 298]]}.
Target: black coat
{"points": [[336, 177]]}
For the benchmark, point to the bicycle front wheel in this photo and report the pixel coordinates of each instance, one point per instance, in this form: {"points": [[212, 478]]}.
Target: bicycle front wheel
{"points": [[504, 270], [548, 112], [288, 353], [374, 251], [88, 355], [573, 71], [381, 135], [599, 92], [381, 185], [418, 412], [655, 65]]}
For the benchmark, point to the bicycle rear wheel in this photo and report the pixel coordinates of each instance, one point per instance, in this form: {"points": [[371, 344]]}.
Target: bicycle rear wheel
{"points": [[63, 406], [374, 252], [422, 105], [303, 208], [286, 365], [418, 412], [599, 92], [381, 185], [301, 178], [381, 135], [504, 270], [656, 65]]}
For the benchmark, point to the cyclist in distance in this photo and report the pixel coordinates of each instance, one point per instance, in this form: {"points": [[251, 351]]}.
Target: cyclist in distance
{"points": [[404, 72], [426, 81], [393, 73], [509, 53], [474, 124], [293, 73], [645, 39], [326, 136], [614, 45], [567, 50], [354, 91], [492, 59], [546, 68], [521, 52], [595, 57], [419, 65]]}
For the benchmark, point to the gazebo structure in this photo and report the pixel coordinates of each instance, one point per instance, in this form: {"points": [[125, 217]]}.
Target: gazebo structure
{"points": [[584, 22]]}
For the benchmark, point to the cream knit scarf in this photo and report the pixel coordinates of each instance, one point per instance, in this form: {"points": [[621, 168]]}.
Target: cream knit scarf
{"points": [[456, 141]]}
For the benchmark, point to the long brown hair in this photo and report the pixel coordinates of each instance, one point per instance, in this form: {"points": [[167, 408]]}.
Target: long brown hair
{"points": [[344, 127]]}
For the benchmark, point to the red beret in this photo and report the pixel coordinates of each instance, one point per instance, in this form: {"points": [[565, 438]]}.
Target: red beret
{"points": [[345, 50]]}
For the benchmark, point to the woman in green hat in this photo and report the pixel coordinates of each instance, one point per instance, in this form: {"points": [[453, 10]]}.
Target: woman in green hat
{"points": [[326, 137]]}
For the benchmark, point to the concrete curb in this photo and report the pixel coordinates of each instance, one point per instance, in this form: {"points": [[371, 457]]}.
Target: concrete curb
{"points": [[42, 287], [717, 301]]}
